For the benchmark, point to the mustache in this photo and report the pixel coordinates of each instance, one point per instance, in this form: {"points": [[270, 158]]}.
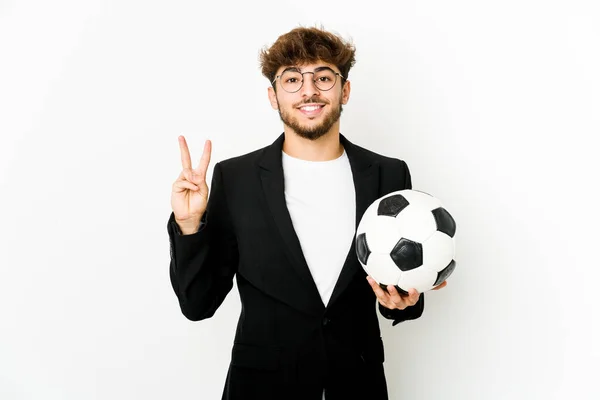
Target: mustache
{"points": [[313, 100]]}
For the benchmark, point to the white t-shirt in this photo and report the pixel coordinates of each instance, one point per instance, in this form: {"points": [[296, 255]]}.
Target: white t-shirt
{"points": [[321, 199]]}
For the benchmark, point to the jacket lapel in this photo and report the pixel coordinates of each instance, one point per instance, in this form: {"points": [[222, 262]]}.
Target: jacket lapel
{"points": [[271, 174], [365, 172]]}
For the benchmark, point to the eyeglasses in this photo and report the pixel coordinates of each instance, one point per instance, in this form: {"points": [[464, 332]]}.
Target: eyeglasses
{"points": [[292, 79]]}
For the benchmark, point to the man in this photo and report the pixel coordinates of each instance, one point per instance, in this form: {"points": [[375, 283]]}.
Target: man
{"points": [[282, 220]]}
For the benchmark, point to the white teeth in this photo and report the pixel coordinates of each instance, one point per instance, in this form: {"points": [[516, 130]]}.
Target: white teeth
{"points": [[310, 108]]}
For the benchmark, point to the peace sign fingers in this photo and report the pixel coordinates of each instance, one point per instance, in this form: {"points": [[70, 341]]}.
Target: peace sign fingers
{"points": [[189, 195]]}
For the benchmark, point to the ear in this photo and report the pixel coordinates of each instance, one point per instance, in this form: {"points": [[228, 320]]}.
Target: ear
{"points": [[346, 92], [273, 98]]}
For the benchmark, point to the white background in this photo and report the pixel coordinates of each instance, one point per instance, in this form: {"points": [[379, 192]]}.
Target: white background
{"points": [[494, 106]]}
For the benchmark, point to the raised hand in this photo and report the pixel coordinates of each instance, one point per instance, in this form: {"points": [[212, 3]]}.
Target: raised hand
{"points": [[189, 196]]}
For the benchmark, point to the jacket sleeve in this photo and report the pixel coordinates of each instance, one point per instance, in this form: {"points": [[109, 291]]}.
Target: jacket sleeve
{"points": [[411, 312], [203, 264]]}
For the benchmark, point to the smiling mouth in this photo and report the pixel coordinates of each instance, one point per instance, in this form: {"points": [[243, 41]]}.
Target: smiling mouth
{"points": [[311, 110]]}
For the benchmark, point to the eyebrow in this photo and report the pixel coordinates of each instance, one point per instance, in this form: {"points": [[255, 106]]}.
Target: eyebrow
{"points": [[315, 70]]}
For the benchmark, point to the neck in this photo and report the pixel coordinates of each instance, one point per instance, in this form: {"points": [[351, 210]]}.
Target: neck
{"points": [[327, 147]]}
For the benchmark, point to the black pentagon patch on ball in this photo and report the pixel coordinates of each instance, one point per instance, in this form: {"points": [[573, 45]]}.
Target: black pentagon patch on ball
{"points": [[407, 254], [398, 288], [362, 248], [445, 273], [445, 222], [391, 206]]}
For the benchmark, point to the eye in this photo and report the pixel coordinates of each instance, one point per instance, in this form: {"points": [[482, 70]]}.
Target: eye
{"points": [[291, 80]]}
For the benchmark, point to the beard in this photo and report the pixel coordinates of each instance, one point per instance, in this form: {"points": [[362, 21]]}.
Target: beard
{"points": [[314, 132]]}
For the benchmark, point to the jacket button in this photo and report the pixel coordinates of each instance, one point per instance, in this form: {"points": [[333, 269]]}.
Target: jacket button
{"points": [[326, 321]]}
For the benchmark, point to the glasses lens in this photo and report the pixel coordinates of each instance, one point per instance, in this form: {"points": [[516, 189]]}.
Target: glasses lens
{"points": [[325, 79], [291, 81]]}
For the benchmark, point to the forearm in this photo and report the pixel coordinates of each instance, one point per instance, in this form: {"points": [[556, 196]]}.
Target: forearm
{"points": [[201, 274]]}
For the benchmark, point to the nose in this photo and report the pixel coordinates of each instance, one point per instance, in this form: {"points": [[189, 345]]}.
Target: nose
{"points": [[308, 85]]}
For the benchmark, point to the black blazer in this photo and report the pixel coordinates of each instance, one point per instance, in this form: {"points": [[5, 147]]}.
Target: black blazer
{"points": [[288, 345]]}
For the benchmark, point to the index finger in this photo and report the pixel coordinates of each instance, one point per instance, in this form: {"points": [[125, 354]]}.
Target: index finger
{"points": [[186, 161], [377, 289]]}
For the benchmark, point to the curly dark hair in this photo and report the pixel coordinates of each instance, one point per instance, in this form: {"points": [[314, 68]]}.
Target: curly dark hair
{"points": [[307, 45]]}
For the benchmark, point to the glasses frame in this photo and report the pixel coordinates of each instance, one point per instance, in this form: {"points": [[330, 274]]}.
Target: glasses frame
{"points": [[314, 81]]}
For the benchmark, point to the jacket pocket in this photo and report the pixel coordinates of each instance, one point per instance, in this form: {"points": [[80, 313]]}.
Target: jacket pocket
{"points": [[255, 357]]}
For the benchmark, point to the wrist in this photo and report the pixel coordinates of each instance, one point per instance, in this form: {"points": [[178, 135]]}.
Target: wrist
{"points": [[188, 226]]}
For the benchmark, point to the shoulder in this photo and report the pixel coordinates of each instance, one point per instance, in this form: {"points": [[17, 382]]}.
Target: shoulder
{"points": [[384, 161], [393, 172], [242, 162]]}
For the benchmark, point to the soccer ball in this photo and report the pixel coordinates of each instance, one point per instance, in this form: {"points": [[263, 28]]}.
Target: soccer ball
{"points": [[406, 239]]}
